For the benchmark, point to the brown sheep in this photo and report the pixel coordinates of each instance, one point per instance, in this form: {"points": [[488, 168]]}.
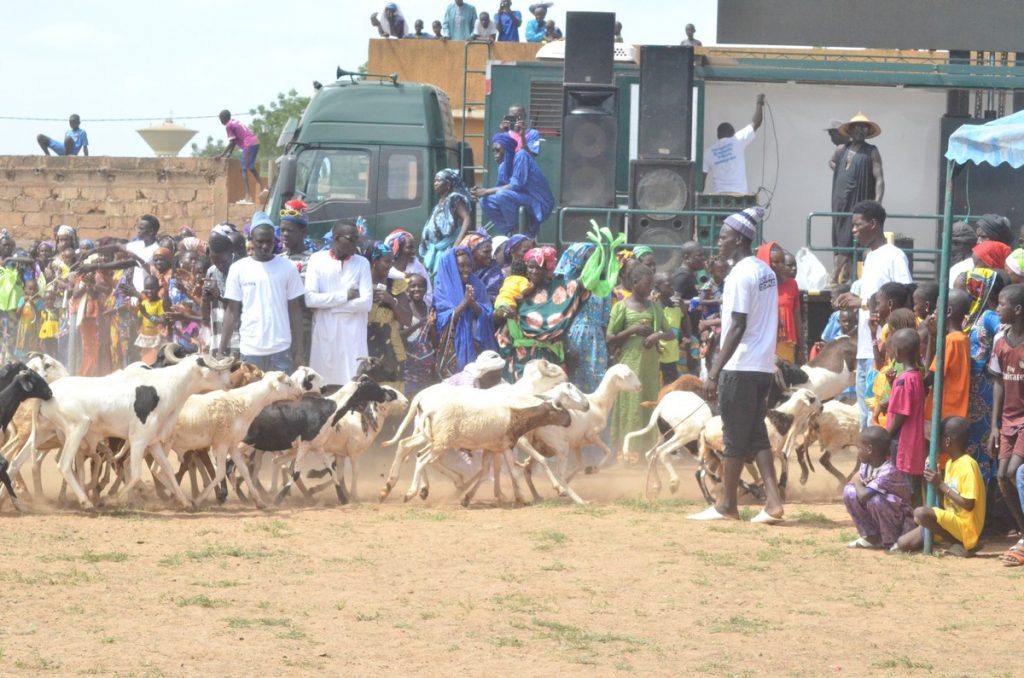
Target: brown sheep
{"points": [[687, 382]]}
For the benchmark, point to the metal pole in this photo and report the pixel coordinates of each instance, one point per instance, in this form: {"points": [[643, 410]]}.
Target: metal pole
{"points": [[940, 342]]}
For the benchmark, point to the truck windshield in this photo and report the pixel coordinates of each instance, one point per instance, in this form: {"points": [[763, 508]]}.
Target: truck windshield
{"points": [[334, 174]]}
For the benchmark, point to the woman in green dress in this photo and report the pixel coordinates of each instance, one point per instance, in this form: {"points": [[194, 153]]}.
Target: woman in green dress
{"points": [[637, 325]]}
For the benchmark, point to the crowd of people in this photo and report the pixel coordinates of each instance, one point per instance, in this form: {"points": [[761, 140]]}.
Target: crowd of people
{"points": [[462, 22]]}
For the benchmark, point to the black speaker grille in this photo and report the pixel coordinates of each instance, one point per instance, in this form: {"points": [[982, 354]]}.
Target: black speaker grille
{"points": [[662, 189]]}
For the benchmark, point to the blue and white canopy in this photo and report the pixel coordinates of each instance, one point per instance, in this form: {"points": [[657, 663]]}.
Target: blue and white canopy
{"points": [[995, 142]]}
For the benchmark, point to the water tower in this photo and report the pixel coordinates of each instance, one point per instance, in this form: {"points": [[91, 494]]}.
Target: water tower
{"points": [[167, 138]]}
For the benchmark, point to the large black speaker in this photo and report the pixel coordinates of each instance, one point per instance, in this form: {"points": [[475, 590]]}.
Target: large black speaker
{"points": [[666, 91], [589, 142], [665, 186], [589, 47]]}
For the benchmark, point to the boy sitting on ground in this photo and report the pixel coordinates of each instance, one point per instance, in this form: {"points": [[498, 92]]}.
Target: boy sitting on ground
{"points": [[960, 520], [878, 499]]}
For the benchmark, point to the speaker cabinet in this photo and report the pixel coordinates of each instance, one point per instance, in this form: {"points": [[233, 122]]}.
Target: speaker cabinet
{"points": [[664, 186], [589, 140], [589, 47], [666, 93]]}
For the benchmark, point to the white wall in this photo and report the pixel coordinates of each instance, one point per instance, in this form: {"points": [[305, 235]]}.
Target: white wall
{"points": [[909, 146]]}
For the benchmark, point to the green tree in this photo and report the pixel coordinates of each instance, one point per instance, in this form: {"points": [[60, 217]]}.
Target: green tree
{"points": [[268, 121], [211, 150]]}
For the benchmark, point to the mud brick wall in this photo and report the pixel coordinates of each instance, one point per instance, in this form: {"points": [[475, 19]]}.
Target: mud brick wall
{"points": [[105, 196]]}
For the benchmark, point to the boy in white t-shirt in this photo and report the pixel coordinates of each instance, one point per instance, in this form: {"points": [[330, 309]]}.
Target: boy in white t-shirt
{"points": [[724, 160], [264, 295], [746, 366]]}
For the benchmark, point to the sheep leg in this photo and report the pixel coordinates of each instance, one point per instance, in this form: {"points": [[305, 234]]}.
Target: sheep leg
{"points": [[339, 482], [220, 458], [352, 485], [485, 464], [597, 442], [405, 447], [423, 457], [167, 475], [528, 475], [826, 461], [517, 492], [562, 487], [6, 480], [243, 469], [68, 452], [802, 456]]}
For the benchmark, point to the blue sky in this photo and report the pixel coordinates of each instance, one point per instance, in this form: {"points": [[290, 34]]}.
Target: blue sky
{"points": [[118, 59]]}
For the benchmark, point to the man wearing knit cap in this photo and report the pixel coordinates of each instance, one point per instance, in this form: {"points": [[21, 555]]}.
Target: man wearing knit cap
{"points": [[744, 368]]}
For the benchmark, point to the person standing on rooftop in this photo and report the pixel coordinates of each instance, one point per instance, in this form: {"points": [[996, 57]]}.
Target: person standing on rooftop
{"points": [[459, 20]]}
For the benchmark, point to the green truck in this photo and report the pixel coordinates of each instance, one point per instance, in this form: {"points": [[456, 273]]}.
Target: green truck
{"points": [[367, 148]]}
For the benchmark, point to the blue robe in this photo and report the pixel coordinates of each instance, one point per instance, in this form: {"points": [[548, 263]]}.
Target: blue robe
{"points": [[527, 188]]}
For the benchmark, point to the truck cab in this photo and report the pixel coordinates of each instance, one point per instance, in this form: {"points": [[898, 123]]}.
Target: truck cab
{"points": [[367, 148]]}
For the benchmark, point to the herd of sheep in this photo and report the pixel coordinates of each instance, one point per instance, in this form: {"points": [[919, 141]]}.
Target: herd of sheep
{"points": [[224, 420]]}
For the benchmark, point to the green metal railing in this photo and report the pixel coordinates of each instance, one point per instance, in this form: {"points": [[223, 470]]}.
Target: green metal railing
{"points": [[925, 255], [468, 105], [613, 216]]}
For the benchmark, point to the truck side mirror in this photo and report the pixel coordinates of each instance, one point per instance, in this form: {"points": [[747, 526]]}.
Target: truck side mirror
{"points": [[287, 172]]}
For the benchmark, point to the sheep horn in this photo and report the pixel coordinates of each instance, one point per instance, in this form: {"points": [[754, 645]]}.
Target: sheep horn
{"points": [[168, 351]]}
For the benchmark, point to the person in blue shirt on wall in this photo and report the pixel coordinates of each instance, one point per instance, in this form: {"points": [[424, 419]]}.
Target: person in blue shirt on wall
{"points": [[75, 140], [508, 22]]}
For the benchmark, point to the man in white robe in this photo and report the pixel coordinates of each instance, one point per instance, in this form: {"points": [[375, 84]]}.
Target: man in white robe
{"points": [[339, 290]]}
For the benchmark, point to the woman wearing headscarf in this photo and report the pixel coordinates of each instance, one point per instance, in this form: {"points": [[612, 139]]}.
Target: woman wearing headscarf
{"points": [[525, 186], [465, 317], [403, 246], [450, 220], [994, 227], [981, 326], [512, 250], [389, 311], [586, 349], [991, 254], [390, 23], [484, 265], [965, 237]]}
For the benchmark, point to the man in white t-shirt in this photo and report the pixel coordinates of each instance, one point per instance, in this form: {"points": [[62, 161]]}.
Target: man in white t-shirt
{"points": [[144, 246], [264, 295], [724, 160], [883, 264], [745, 367]]}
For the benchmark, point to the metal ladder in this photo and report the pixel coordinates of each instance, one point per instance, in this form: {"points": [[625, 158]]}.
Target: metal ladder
{"points": [[468, 105]]}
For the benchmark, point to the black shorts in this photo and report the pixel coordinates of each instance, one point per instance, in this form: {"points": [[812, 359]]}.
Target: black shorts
{"points": [[743, 402]]}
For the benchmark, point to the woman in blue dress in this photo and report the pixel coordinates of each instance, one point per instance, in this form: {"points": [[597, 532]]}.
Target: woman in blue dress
{"points": [[981, 325], [520, 184], [450, 220], [586, 349]]}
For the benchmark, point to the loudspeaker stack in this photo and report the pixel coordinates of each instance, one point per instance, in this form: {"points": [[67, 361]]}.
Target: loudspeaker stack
{"points": [[661, 178], [590, 123]]}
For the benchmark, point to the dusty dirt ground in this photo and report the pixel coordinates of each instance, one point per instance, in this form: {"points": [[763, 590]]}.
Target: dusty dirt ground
{"points": [[620, 586]]}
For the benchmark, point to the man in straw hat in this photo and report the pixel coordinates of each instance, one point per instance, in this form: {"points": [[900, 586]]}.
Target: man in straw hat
{"points": [[746, 366], [856, 176]]}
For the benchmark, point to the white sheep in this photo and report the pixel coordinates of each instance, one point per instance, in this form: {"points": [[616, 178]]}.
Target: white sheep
{"points": [[679, 418], [784, 423], [483, 420], [538, 376], [218, 420], [837, 427], [586, 429]]}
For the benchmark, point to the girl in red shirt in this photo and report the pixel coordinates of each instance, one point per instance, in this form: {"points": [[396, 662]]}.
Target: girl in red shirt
{"points": [[790, 345]]}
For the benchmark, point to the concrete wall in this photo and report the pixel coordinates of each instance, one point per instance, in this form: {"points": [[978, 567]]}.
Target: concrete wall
{"points": [[442, 64], [104, 196], [909, 146]]}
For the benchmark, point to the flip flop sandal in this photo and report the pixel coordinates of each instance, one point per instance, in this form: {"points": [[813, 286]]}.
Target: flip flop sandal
{"points": [[765, 518], [709, 514], [1019, 546], [958, 551], [1012, 559], [862, 543]]}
